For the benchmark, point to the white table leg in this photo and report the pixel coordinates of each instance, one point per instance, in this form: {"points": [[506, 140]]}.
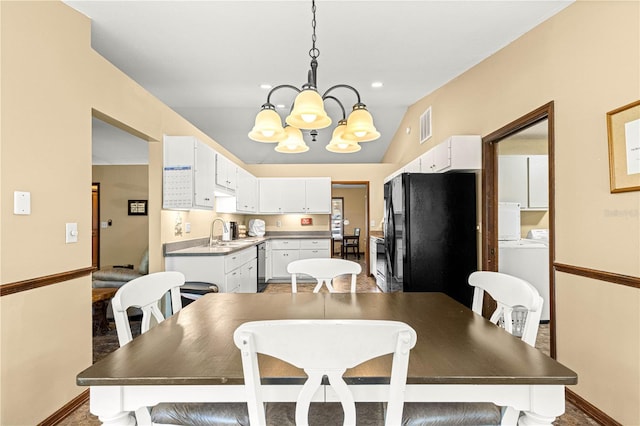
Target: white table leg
{"points": [[547, 402], [120, 419], [106, 403]]}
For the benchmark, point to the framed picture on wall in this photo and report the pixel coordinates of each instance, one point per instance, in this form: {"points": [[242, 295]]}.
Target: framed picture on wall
{"points": [[137, 207], [623, 131]]}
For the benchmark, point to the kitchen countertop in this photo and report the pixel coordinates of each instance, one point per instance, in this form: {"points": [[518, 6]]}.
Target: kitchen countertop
{"points": [[200, 246], [377, 234]]}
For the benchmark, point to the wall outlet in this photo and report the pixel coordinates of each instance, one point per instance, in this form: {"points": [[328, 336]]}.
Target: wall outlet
{"points": [[21, 202], [187, 227], [278, 223]]}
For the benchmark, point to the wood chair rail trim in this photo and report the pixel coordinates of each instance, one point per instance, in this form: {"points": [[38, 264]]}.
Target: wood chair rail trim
{"points": [[626, 280], [32, 283]]}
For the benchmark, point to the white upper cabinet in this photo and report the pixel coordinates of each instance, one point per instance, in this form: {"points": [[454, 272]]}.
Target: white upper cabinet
{"points": [[245, 197], [413, 166], [188, 173], [455, 153], [318, 195], [246, 192], [294, 195], [524, 179], [226, 171], [538, 182], [513, 180]]}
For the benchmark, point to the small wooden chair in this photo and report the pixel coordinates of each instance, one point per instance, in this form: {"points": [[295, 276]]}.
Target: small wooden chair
{"points": [[351, 242], [324, 270], [325, 347], [145, 293]]}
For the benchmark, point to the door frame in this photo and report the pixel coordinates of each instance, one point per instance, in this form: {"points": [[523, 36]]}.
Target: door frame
{"points": [[490, 199], [363, 232], [95, 216]]}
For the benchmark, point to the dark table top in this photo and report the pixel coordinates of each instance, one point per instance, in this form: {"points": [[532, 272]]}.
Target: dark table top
{"points": [[455, 346]]}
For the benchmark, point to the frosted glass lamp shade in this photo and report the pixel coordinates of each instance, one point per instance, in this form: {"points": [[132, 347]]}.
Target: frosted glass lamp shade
{"points": [[308, 111], [360, 125], [340, 145], [268, 127], [294, 143]]}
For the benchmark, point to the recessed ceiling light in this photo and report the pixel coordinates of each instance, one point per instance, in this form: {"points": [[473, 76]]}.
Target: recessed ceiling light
{"points": [[376, 84], [265, 86]]}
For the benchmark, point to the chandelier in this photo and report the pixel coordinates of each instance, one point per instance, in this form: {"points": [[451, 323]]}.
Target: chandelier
{"points": [[308, 113]]}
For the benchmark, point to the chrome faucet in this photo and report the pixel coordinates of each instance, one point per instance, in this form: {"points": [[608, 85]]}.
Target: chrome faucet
{"points": [[213, 241]]}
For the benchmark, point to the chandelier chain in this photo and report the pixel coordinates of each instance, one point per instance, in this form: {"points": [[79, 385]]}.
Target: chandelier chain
{"points": [[314, 52]]}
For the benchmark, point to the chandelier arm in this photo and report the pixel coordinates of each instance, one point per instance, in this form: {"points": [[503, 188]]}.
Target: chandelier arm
{"points": [[346, 86], [280, 87], [344, 115]]}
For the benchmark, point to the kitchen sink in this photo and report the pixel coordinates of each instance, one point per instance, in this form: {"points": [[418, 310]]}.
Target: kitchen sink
{"points": [[229, 244]]}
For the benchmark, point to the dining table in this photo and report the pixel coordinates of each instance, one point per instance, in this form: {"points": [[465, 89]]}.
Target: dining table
{"points": [[459, 357]]}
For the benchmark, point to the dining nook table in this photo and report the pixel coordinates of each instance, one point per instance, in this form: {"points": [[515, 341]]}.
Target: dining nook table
{"points": [[459, 357]]}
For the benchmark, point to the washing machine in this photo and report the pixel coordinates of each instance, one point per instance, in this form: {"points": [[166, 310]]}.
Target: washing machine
{"points": [[529, 260], [526, 258]]}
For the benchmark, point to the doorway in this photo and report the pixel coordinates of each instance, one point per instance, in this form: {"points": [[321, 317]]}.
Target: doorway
{"points": [[512, 140], [120, 163], [355, 211]]}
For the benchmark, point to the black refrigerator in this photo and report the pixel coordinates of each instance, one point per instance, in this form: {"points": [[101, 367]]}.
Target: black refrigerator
{"points": [[430, 233]]}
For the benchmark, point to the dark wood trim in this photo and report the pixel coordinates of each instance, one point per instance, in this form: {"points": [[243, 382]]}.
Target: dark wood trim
{"points": [[626, 280], [66, 410], [490, 201], [30, 284], [592, 411]]}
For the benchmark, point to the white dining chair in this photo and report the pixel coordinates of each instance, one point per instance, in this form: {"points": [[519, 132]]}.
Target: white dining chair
{"points": [[518, 312], [324, 348], [519, 303], [324, 270], [145, 293]]}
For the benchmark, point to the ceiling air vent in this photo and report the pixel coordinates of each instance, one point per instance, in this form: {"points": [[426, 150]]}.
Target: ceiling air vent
{"points": [[425, 125]]}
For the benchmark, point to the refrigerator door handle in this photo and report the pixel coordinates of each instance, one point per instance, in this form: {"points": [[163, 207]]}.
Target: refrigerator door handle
{"points": [[390, 239]]}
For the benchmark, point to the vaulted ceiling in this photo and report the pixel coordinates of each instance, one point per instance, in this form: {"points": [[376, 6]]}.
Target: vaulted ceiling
{"points": [[207, 59]]}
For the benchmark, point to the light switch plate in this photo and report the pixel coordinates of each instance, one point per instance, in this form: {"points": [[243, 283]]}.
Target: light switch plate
{"points": [[21, 202], [71, 233]]}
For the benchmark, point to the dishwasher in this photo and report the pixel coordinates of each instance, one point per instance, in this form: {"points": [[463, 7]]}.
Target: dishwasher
{"points": [[262, 272]]}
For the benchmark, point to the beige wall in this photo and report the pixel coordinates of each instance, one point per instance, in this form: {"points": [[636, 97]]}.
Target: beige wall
{"points": [[586, 73], [586, 59], [127, 238]]}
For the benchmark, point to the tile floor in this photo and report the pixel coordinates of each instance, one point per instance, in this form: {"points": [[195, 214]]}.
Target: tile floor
{"points": [[365, 284]]}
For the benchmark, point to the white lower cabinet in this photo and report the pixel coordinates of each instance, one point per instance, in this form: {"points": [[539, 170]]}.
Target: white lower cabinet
{"points": [[285, 251], [233, 273], [279, 261]]}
